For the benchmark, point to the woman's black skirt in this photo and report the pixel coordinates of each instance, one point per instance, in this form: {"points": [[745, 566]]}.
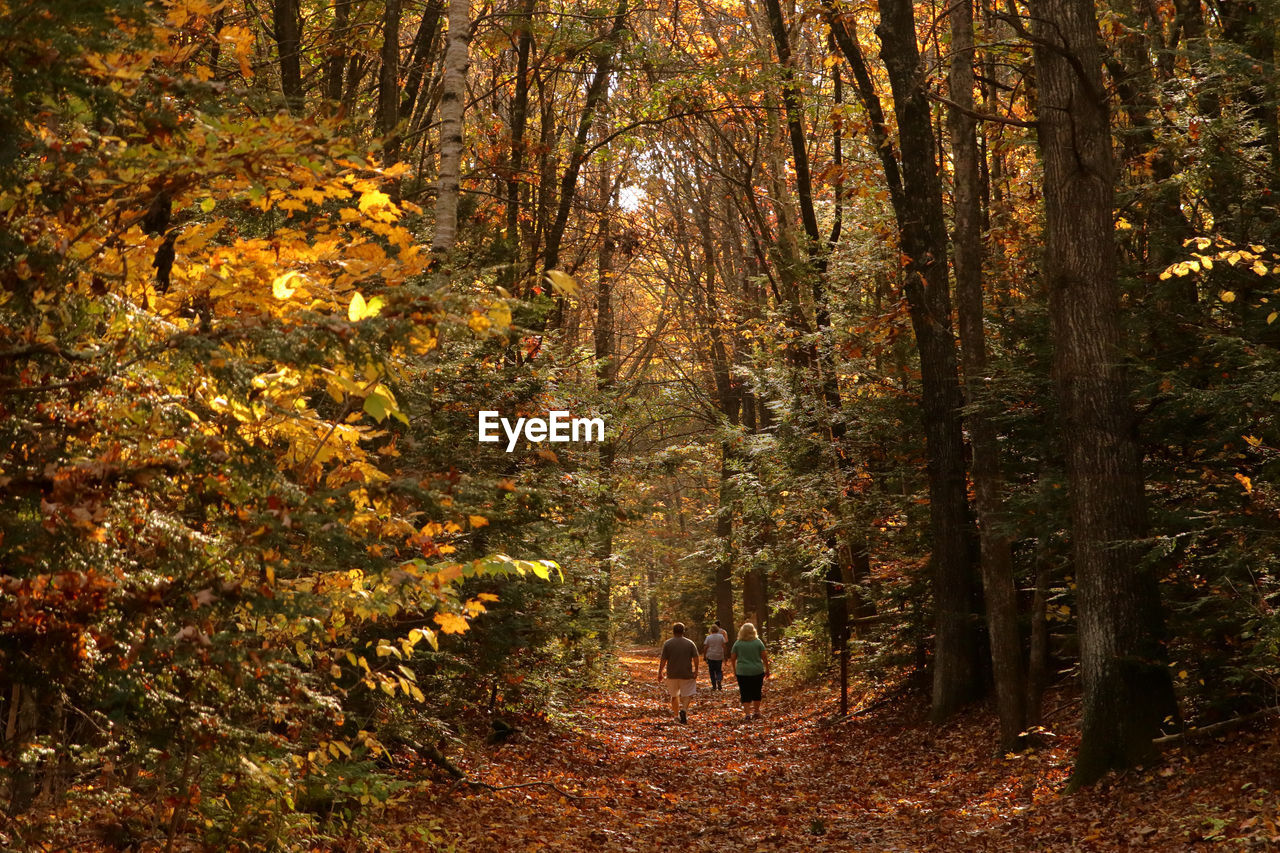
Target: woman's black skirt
{"points": [[749, 687]]}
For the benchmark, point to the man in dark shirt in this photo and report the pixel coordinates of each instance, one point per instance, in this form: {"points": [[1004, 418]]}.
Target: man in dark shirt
{"points": [[680, 662]]}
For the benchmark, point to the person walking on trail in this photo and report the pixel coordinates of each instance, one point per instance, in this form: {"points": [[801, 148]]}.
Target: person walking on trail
{"points": [[751, 666], [680, 662], [713, 649]]}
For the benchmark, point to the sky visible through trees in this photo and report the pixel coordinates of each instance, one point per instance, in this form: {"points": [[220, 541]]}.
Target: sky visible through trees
{"points": [[937, 340]]}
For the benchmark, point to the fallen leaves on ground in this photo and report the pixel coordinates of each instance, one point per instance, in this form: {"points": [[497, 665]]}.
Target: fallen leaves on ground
{"points": [[799, 779]]}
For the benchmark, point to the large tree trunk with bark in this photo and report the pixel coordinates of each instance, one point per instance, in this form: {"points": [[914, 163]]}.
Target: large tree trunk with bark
{"points": [[389, 82], [1000, 593], [923, 240], [287, 23], [453, 100], [1127, 688], [335, 65]]}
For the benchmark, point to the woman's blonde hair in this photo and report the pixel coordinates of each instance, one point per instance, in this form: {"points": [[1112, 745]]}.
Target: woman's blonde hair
{"points": [[747, 631]]}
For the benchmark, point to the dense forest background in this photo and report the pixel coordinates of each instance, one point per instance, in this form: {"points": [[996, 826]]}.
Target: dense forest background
{"points": [[940, 337]]}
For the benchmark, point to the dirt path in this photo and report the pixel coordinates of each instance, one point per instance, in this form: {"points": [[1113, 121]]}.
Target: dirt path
{"points": [[798, 781]]}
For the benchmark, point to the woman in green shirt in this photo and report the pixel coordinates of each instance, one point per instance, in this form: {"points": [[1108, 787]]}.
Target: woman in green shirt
{"points": [[750, 664]]}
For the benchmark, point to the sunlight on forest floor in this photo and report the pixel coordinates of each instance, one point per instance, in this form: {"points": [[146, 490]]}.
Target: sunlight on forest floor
{"points": [[801, 780]]}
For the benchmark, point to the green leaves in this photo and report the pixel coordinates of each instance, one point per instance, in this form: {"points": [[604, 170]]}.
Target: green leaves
{"points": [[380, 403]]}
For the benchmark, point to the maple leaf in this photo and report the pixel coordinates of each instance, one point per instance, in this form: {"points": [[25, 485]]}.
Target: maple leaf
{"points": [[373, 199], [451, 623]]}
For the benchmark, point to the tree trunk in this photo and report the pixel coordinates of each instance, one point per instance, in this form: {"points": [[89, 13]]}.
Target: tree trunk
{"points": [[728, 401], [1127, 688], [651, 608], [597, 91], [724, 536], [287, 22], [795, 125], [336, 64], [356, 69], [924, 242], [877, 129], [819, 358], [999, 592], [755, 605], [1038, 656], [837, 599], [421, 58], [389, 82], [453, 100], [519, 119], [606, 376]]}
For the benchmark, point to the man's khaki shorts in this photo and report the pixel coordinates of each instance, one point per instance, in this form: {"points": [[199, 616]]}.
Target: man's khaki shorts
{"points": [[685, 687]]}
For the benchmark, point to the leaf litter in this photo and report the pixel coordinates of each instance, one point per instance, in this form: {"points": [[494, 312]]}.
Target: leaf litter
{"points": [[628, 777]]}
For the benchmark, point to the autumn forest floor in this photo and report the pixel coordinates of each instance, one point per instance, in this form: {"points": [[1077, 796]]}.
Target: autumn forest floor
{"points": [[626, 777]]}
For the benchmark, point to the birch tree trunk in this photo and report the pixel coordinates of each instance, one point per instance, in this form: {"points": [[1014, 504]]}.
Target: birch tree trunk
{"points": [[453, 100], [1127, 688]]}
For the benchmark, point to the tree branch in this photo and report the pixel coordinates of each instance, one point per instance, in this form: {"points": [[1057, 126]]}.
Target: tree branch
{"points": [[975, 114]]}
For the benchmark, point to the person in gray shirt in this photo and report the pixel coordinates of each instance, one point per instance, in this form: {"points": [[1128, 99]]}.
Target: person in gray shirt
{"points": [[713, 649], [680, 663]]}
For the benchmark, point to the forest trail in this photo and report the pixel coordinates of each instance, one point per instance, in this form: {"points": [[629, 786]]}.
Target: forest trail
{"points": [[798, 780]]}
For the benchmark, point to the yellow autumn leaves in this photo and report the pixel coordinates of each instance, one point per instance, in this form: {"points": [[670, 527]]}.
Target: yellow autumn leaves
{"points": [[377, 664], [562, 283], [1254, 258], [494, 314], [358, 309]]}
